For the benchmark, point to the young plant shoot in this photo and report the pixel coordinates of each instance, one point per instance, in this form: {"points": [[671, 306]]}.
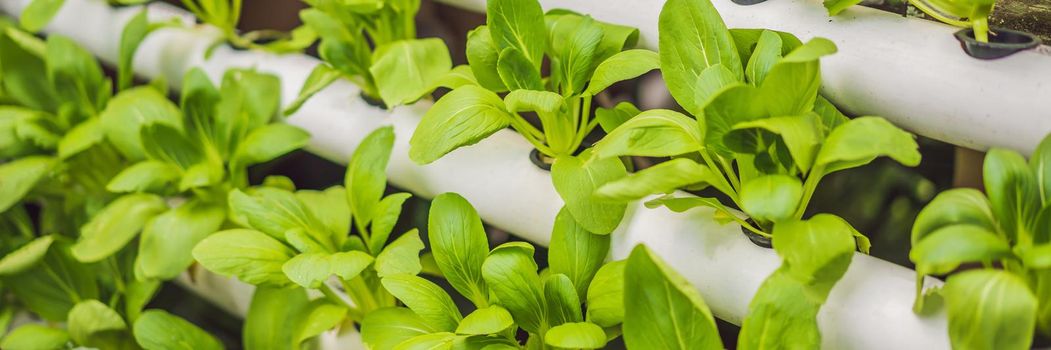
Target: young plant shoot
{"points": [[1008, 231], [505, 55]]}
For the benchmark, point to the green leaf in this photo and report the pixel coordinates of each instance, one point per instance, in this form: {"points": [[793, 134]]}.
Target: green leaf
{"points": [[859, 141], [166, 247], [387, 212], [271, 211], [662, 310], [533, 101], [80, 138], [169, 144], [460, 245], [954, 206], [577, 178], [488, 320], [38, 13], [160, 330], [116, 225], [517, 72], [35, 337], [572, 62], [576, 335], [947, 248], [134, 33], [322, 76], [18, 177], [989, 309], [575, 252], [269, 142], [782, 315], [425, 299], [145, 176], [801, 134], [605, 297], [665, 177], [36, 287], [23, 71], [653, 133], [456, 77], [730, 106], [89, 320], [771, 198], [330, 208], [482, 55], [1040, 164], [406, 70], [282, 318], [622, 66], [311, 270], [401, 256], [816, 252], [460, 118], [25, 257], [561, 301], [132, 109], [251, 256], [75, 74], [510, 273], [767, 53], [520, 25], [433, 341], [830, 116], [386, 328], [1012, 191], [693, 37], [791, 85], [611, 118], [834, 7], [137, 294]]}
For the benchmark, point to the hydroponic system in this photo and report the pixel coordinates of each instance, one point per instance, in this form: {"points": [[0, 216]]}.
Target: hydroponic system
{"points": [[131, 134]]}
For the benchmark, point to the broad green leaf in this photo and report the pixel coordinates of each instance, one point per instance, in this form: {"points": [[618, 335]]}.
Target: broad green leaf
{"points": [[75, 74], [271, 211], [622, 66], [1013, 193], [791, 85], [36, 289], [132, 109], [482, 55], [801, 134], [605, 296], [1041, 287], [269, 142], [24, 72], [89, 320], [460, 245], [425, 299], [251, 256], [782, 315], [386, 328], [26, 256], [947, 248], [406, 70], [859, 141], [18, 177], [116, 225], [662, 310], [576, 335], [387, 212], [160, 330], [575, 252], [693, 37], [611, 118], [329, 207], [488, 320], [816, 252], [767, 53], [561, 301], [517, 72], [166, 246], [282, 318], [830, 116], [771, 198], [511, 275], [730, 106], [80, 138], [1040, 164], [572, 62], [318, 317], [137, 294], [577, 178], [322, 76], [204, 174], [665, 177], [520, 25], [711, 81], [35, 337], [1037, 257], [989, 309], [834, 7], [134, 33], [145, 176], [460, 118], [952, 207], [367, 174], [456, 77], [168, 144], [38, 13], [433, 341], [653, 133], [401, 256], [533, 101], [311, 270]]}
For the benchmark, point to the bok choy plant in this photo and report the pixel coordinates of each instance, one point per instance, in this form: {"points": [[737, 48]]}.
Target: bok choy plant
{"points": [[505, 55], [960, 13], [373, 44], [1007, 232], [507, 291], [763, 137], [302, 240]]}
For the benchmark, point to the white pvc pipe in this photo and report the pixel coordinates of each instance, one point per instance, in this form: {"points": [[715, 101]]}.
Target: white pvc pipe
{"points": [[909, 70], [869, 309]]}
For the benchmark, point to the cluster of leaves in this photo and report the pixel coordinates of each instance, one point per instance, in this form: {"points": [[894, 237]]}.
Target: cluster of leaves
{"points": [[1006, 231], [226, 14], [960, 13], [373, 44]]}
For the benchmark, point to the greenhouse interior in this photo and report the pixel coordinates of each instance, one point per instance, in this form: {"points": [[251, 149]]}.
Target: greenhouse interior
{"points": [[525, 174]]}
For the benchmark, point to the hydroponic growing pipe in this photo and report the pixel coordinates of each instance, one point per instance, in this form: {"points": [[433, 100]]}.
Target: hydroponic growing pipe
{"points": [[870, 308]]}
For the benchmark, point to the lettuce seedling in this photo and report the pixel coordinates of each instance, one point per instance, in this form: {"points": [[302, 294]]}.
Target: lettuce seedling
{"points": [[1008, 231], [505, 55], [373, 44], [506, 289], [960, 13]]}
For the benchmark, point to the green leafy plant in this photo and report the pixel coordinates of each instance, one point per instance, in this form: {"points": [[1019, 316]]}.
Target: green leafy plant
{"points": [[373, 44], [505, 55], [506, 289], [960, 13], [226, 14], [1006, 231]]}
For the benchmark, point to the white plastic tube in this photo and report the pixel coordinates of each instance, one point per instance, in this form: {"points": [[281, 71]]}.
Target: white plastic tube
{"points": [[869, 309], [911, 71]]}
